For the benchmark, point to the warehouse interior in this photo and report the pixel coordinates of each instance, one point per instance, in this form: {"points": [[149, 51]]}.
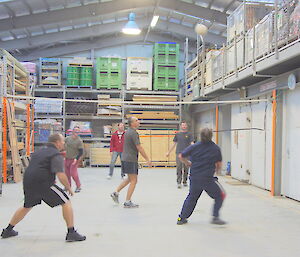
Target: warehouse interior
{"points": [[232, 66]]}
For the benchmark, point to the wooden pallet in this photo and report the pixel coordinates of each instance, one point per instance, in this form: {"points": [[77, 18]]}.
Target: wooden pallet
{"points": [[79, 114], [153, 115], [81, 64], [16, 160], [79, 87], [45, 82], [109, 104], [50, 67], [104, 97], [49, 86], [152, 98], [50, 74], [140, 88]]}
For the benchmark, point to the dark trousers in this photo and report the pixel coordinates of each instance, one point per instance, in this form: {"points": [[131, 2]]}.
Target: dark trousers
{"points": [[182, 171], [212, 187]]}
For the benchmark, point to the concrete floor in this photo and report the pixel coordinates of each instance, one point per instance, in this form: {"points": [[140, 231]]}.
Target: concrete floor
{"points": [[258, 224]]}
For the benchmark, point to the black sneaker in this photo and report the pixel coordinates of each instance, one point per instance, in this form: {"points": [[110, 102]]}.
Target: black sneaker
{"points": [[115, 197], [185, 184], [8, 233], [181, 221], [74, 237], [217, 221]]}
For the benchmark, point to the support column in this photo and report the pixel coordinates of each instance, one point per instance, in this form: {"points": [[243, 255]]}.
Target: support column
{"points": [[277, 109], [217, 124]]}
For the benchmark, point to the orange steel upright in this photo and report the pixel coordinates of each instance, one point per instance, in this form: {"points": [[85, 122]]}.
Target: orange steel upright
{"points": [[28, 130], [274, 106], [4, 140], [32, 129], [217, 124]]}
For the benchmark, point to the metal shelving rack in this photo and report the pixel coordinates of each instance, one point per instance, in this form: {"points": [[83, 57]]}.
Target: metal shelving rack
{"points": [[14, 81], [123, 94]]}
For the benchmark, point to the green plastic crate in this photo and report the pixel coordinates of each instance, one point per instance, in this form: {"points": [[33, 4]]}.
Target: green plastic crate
{"points": [[166, 84], [71, 69], [108, 64], [166, 59], [166, 71], [166, 48], [73, 73], [86, 73], [109, 80], [86, 82], [73, 82]]}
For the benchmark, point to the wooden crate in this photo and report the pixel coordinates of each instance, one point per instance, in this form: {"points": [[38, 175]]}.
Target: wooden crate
{"points": [[146, 143], [172, 156], [101, 156], [159, 145]]}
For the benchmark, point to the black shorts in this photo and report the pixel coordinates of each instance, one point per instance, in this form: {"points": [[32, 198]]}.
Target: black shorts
{"points": [[52, 196], [130, 167]]}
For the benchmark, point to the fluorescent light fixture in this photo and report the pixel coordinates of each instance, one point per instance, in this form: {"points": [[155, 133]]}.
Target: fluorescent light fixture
{"points": [[154, 21], [131, 28]]}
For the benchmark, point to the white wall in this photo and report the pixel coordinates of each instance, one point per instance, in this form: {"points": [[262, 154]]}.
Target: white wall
{"points": [[208, 119], [290, 185], [204, 120]]}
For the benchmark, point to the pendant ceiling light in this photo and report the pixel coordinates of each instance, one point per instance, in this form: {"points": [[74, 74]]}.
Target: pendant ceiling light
{"points": [[131, 28]]}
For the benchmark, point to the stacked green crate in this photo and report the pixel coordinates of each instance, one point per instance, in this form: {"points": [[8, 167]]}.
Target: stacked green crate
{"points": [[109, 72], [166, 63], [73, 76], [86, 76]]}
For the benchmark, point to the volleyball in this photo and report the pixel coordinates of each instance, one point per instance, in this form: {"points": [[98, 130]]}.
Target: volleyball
{"points": [[200, 29]]}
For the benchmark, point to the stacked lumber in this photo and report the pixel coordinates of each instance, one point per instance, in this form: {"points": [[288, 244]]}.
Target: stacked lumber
{"points": [[153, 115], [155, 99], [109, 106], [13, 144], [20, 85]]}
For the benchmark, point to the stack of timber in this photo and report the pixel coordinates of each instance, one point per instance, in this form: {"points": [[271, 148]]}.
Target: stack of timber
{"points": [[155, 99], [153, 115], [109, 106]]}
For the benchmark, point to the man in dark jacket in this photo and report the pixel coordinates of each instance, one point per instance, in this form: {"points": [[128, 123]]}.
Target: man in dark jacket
{"points": [[116, 148], [39, 185], [205, 160]]}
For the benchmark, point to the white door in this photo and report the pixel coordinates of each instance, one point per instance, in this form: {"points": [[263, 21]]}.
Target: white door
{"points": [[261, 134], [205, 119], [290, 185], [225, 134], [241, 142]]}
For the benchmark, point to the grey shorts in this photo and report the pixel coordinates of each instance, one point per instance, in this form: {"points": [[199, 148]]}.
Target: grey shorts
{"points": [[130, 167]]}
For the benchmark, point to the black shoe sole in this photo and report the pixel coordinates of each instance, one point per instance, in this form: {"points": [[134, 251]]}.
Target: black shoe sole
{"points": [[75, 240], [7, 236], [70, 241], [182, 223]]}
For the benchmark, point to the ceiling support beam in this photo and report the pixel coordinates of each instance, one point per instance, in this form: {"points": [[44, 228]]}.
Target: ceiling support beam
{"points": [[102, 29], [97, 44]]}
